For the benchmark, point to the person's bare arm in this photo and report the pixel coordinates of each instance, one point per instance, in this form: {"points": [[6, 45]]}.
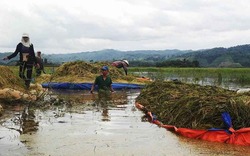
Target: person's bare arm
{"points": [[92, 88]]}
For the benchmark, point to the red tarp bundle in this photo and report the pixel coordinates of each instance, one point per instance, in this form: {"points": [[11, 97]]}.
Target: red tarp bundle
{"points": [[230, 136]]}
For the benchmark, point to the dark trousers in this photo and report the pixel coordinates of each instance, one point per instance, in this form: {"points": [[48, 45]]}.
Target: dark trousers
{"points": [[38, 71], [26, 66]]}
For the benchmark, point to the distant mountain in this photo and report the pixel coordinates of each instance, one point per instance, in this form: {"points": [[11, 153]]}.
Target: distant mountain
{"points": [[9, 62], [238, 56], [105, 55], [111, 54]]}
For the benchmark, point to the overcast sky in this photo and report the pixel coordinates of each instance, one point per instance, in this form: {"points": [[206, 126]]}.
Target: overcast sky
{"points": [[65, 26]]}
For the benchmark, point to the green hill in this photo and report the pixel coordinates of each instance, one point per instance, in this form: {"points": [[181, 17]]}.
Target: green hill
{"points": [[238, 56]]}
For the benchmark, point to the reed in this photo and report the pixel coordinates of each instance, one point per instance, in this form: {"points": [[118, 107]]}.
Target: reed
{"points": [[237, 75]]}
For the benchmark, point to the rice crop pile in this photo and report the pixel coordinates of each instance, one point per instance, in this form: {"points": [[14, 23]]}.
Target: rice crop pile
{"points": [[195, 106], [10, 80], [80, 71]]}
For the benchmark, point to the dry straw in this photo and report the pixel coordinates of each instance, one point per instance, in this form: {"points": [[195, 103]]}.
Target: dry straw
{"points": [[80, 71], [10, 80]]}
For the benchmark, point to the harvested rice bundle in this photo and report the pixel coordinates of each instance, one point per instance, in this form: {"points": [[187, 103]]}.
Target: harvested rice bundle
{"points": [[84, 69], [9, 80], [195, 106]]}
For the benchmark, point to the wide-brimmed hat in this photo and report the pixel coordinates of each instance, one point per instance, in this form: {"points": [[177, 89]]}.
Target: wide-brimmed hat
{"points": [[126, 61]]}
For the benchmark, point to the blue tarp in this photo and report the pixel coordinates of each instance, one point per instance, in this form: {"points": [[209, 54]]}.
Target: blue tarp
{"points": [[87, 86]]}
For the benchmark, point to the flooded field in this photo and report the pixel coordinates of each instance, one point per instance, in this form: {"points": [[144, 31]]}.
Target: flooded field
{"points": [[218, 80], [90, 125]]}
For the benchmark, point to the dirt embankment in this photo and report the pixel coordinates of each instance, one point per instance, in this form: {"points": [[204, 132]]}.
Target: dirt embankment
{"points": [[195, 106]]}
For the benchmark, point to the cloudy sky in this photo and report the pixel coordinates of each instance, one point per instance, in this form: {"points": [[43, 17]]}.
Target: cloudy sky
{"points": [[65, 26]]}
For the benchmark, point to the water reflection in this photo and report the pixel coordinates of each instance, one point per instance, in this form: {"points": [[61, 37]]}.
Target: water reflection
{"points": [[20, 118], [28, 123], [105, 115], [102, 102]]}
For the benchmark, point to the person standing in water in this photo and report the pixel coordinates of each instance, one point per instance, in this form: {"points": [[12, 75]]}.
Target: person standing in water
{"points": [[104, 84], [103, 81], [26, 60]]}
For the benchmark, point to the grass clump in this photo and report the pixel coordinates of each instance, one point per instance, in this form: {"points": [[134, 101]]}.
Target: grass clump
{"points": [[8, 79], [195, 106], [80, 71]]}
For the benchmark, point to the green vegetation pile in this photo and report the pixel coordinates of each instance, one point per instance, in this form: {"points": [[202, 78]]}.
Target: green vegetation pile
{"points": [[80, 71], [8, 79], [195, 106]]}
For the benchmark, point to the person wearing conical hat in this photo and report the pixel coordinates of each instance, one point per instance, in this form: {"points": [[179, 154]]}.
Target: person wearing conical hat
{"points": [[26, 60], [121, 64]]}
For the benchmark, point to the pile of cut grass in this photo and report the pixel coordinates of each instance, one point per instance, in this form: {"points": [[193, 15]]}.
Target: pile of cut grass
{"points": [[80, 71], [195, 106], [8, 79]]}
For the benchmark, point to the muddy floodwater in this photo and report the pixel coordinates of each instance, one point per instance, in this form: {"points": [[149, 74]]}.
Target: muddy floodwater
{"points": [[89, 125]]}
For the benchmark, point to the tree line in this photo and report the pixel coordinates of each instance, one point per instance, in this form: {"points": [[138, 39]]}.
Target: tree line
{"points": [[166, 63]]}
